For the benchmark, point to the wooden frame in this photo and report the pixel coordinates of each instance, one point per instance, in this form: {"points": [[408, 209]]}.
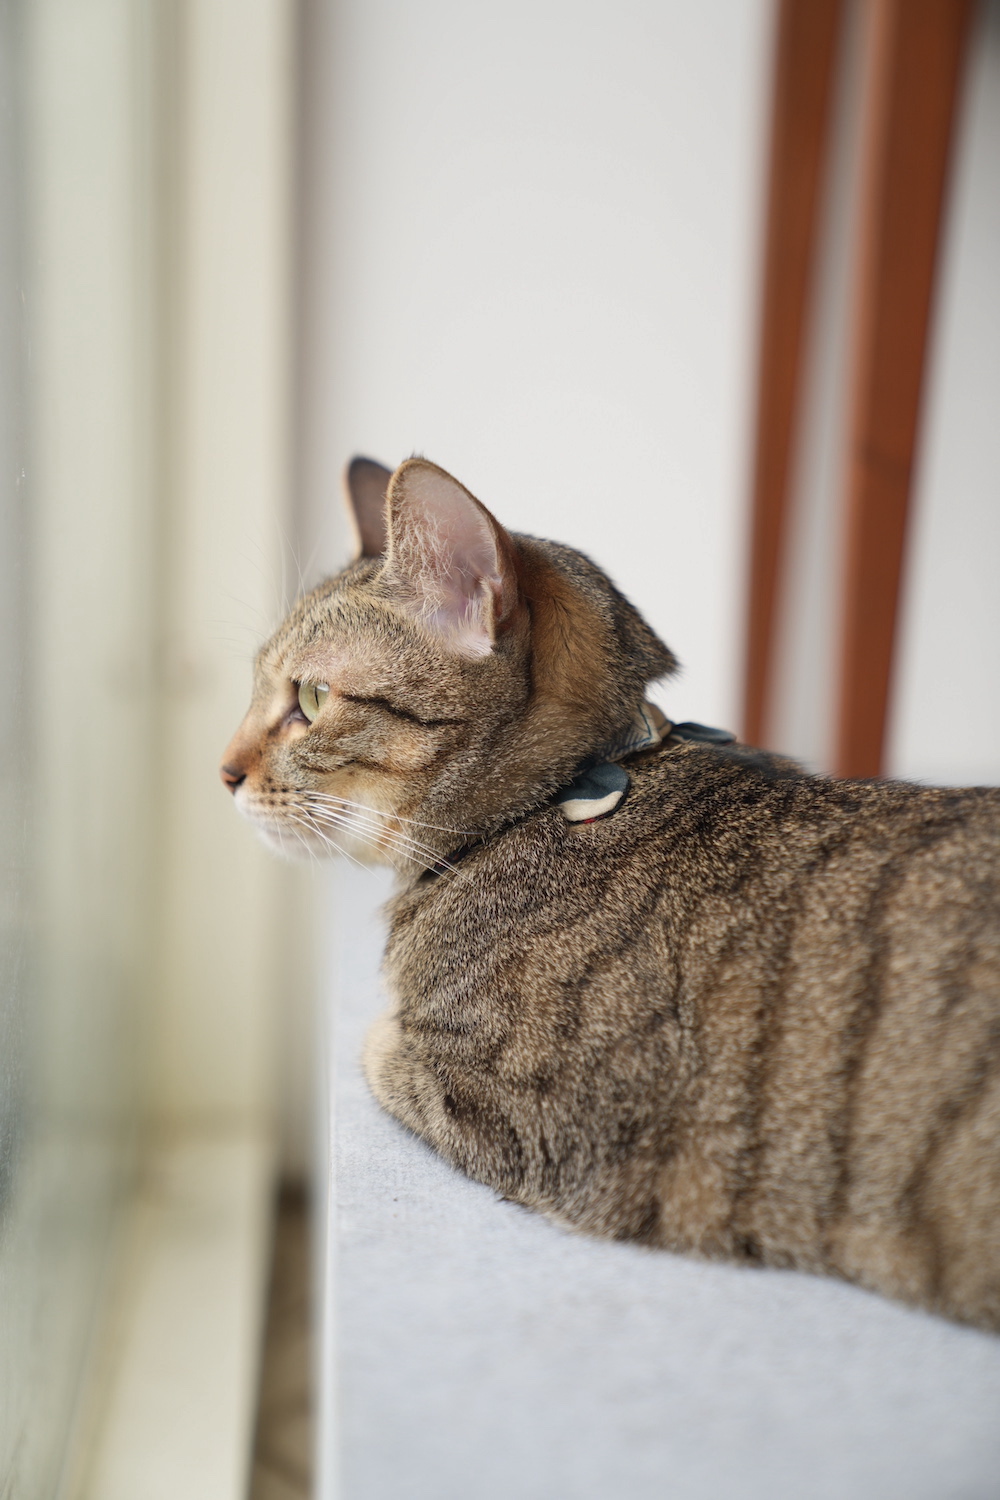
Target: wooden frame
{"points": [[912, 52], [915, 50], [806, 45]]}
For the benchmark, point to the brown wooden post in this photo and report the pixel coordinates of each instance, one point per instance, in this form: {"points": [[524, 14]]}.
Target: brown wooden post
{"points": [[914, 50], [807, 34]]}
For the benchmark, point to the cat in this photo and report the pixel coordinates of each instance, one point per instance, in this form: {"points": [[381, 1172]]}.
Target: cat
{"points": [[738, 1011]]}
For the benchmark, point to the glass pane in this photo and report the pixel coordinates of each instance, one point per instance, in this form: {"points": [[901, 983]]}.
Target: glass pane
{"points": [[78, 787]]}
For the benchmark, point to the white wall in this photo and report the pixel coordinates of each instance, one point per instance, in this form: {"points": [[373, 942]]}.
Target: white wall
{"points": [[531, 253], [946, 724]]}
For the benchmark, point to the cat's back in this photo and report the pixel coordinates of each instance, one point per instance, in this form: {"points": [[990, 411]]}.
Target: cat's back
{"points": [[733, 903]]}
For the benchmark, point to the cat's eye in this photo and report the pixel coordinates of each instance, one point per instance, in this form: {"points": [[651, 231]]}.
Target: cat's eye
{"points": [[312, 696]]}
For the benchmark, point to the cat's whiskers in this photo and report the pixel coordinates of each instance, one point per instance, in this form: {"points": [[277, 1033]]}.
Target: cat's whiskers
{"points": [[306, 845], [369, 830], [372, 827], [311, 822], [329, 842], [426, 859], [358, 813], [374, 830], [355, 819], [364, 822], [277, 831], [401, 817]]}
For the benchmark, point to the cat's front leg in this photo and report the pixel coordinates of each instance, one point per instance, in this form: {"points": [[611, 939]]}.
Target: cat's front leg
{"points": [[468, 1130], [400, 1082]]}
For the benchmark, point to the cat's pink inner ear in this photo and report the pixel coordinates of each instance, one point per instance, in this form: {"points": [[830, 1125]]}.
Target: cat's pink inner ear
{"points": [[365, 486], [450, 555]]}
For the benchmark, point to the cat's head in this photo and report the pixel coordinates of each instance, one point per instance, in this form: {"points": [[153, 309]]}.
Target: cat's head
{"points": [[448, 680]]}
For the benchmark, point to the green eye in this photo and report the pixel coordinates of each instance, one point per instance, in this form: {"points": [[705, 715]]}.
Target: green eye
{"points": [[312, 696]]}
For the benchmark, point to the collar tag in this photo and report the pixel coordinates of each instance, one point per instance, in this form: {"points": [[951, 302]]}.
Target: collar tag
{"points": [[594, 793], [599, 789]]}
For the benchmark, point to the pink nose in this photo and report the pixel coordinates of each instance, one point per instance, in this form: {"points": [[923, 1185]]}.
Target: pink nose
{"points": [[232, 777]]}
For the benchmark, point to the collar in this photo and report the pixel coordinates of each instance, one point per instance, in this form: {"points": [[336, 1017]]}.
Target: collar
{"points": [[601, 784]]}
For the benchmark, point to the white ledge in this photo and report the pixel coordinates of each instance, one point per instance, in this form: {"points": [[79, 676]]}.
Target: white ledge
{"points": [[176, 1377]]}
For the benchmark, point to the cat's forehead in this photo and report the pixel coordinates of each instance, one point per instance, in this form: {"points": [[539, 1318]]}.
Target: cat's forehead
{"points": [[319, 655], [328, 613], [340, 633]]}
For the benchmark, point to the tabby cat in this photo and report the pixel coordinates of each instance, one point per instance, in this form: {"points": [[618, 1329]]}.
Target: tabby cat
{"points": [[659, 987]]}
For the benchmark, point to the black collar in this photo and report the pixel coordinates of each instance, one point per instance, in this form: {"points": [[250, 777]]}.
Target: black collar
{"points": [[600, 784]]}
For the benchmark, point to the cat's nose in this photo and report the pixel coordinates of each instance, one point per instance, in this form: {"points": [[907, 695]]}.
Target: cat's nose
{"points": [[232, 777]]}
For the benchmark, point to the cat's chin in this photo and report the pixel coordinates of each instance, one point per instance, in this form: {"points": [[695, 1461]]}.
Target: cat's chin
{"points": [[289, 843], [297, 845]]}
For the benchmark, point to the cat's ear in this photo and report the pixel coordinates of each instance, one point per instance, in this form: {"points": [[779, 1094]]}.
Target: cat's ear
{"points": [[365, 486], [453, 562]]}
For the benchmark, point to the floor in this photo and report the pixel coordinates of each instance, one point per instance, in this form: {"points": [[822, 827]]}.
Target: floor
{"points": [[282, 1464]]}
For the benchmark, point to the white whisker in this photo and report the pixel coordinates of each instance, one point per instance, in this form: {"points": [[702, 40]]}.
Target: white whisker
{"points": [[345, 802], [310, 824], [364, 826], [357, 815], [358, 820], [386, 844], [306, 845], [329, 842], [375, 834]]}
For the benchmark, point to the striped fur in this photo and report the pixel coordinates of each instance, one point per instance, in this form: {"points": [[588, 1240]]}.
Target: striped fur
{"points": [[753, 1015]]}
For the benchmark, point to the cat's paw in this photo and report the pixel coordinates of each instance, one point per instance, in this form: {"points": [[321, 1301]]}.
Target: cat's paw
{"points": [[382, 1047]]}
